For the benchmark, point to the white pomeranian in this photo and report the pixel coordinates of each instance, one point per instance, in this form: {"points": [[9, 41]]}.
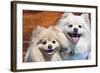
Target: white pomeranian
{"points": [[77, 30], [46, 44]]}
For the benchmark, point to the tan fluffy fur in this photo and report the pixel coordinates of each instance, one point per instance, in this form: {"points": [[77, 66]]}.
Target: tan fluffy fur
{"points": [[36, 54]]}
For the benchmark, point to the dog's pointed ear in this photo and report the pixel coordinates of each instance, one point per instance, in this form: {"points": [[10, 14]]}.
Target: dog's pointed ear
{"points": [[60, 36], [65, 15], [37, 30], [36, 34], [57, 29], [86, 17]]}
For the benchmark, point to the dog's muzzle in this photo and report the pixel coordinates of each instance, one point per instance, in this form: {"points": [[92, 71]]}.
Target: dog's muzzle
{"points": [[49, 51], [74, 36]]}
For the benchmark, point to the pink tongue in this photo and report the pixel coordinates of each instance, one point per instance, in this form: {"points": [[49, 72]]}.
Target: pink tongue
{"points": [[75, 39]]}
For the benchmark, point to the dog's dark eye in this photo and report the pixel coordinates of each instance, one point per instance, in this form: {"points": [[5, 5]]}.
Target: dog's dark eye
{"points": [[70, 26], [53, 42], [80, 26], [44, 42]]}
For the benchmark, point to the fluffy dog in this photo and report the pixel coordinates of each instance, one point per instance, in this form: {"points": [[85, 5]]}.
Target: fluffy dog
{"points": [[77, 30], [46, 44]]}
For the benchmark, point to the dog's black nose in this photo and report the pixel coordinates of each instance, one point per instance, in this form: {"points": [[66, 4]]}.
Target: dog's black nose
{"points": [[75, 30], [50, 46]]}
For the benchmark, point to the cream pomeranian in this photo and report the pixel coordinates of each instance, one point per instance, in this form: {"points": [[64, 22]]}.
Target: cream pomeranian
{"points": [[77, 31], [46, 44]]}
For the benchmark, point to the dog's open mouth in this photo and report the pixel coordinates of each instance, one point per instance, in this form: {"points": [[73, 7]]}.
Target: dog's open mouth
{"points": [[49, 51], [74, 36]]}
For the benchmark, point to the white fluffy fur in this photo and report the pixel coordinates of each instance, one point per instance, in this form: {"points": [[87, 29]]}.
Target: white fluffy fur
{"points": [[34, 53], [83, 44]]}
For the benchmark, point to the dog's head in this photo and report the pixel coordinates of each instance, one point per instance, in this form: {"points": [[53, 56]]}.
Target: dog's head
{"points": [[49, 42], [74, 26]]}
